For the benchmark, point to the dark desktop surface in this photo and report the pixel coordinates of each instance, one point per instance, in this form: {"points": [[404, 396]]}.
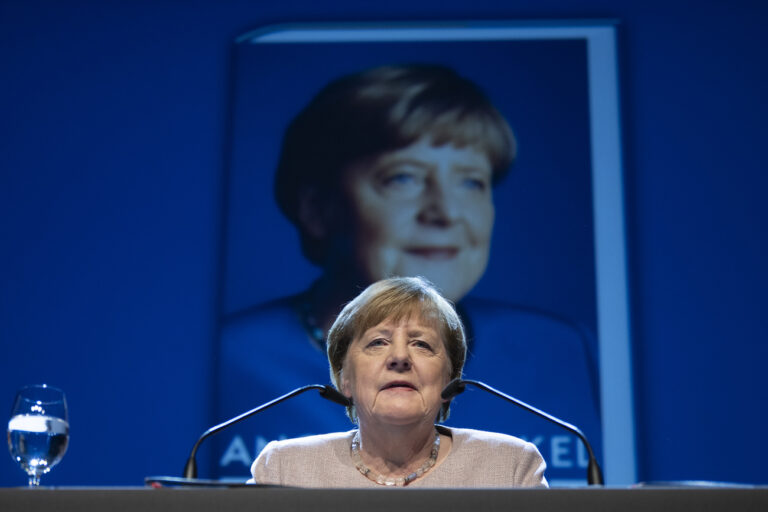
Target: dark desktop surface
{"points": [[147, 499]]}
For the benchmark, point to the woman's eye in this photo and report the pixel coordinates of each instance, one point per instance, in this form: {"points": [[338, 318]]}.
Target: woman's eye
{"points": [[475, 183], [399, 179], [377, 342], [423, 344], [401, 176]]}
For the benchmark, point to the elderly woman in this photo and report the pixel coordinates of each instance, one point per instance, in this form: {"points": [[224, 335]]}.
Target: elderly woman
{"points": [[392, 350]]}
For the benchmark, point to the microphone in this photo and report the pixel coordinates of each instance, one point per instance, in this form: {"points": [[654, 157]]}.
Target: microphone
{"points": [[327, 392], [457, 386]]}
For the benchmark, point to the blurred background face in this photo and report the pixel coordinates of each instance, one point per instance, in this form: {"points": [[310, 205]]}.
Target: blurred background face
{"points": [[422, 210]]}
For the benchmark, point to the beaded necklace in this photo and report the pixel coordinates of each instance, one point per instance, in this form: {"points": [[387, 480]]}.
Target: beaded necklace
{"points": [[399, 481]]}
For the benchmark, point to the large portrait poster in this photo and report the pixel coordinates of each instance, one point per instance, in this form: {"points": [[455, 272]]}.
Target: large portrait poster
{"points": [[546, 313]]}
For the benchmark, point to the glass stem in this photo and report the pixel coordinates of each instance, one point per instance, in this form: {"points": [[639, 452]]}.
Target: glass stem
{"points": [[34, 480]]}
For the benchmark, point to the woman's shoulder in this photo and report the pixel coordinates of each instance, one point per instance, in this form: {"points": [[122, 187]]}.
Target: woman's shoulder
{"points": [[276, 319], [481, 311], [315, 442], [276, 310], [472, 438], [494, 460], [481, 444], [302, 461]]}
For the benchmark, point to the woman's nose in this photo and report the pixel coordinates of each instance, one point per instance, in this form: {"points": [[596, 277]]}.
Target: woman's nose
{"points": [[437, 207], [399, 361]]}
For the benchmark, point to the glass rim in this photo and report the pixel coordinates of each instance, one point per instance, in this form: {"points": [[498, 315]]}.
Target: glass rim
{"points": [[46, 387]]}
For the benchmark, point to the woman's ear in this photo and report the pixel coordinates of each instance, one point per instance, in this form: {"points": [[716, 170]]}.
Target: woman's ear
{"points": [[346, 386], [313, 216], [447, 381]]}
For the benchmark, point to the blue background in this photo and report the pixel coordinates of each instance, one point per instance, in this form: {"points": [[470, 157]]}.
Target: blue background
{"points": [[113, 121]]}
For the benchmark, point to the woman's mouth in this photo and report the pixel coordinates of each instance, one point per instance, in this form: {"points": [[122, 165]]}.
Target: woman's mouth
{"points": [[399, 385], [433, 252]]}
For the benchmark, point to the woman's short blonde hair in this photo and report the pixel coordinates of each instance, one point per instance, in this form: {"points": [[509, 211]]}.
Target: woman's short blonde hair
{"points": [[364, 115], [396, 298]]}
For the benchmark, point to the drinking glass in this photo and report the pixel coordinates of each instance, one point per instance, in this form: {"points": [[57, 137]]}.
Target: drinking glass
{"points": [[38, 432]]}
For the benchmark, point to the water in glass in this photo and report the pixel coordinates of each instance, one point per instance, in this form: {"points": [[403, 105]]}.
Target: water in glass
{"points": [[38, 432]]}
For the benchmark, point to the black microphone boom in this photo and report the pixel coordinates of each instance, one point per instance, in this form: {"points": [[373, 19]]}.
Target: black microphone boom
{"points": [[327, 392], [594, 474]]}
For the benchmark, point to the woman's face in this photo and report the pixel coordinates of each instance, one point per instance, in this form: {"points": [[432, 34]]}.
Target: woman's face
{"points": [[422, 210], [395, 371]]}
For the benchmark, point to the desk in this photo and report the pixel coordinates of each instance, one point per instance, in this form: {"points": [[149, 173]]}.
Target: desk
{"points": [[383, 500]]}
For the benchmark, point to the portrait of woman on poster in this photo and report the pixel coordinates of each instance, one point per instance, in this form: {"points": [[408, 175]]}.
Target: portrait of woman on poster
{"points": [[391, 172]]}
